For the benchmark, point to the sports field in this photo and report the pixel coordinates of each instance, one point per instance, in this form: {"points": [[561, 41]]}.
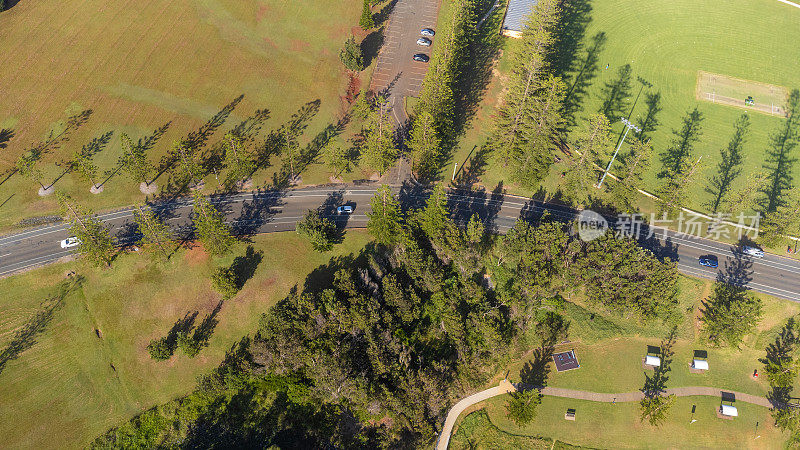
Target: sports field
{"points": [[88, 367], [139, 65], [668, 42], [746, 94]]}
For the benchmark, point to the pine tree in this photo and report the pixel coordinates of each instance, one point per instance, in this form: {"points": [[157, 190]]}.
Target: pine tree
{"points": [[189, 170], [351, 55], [729, 314], [338, 158], [366, 21], [320, 231], [784, 221], [95, 239], [425, 145], [513, 126], [154, 232], [238, 160], [624, 191], [521, 406], [384, 218], [746, 198], [27, 166], [224, 281], [82, 163], [531, 159], [592, 146], [134, 160], [674, 192], [210, 226], [379, 151]]}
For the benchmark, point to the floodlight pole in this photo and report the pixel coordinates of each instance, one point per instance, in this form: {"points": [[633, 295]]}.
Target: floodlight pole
{"points": [[628, 126]]}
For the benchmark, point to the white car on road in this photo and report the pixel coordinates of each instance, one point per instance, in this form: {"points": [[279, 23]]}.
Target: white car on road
{"points": [[344, 209], [425, 42], [70, 242]]}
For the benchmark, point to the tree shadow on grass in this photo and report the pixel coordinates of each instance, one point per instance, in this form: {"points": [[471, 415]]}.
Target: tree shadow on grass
{"points": [[196, 140], [371, 46], [323, 276], [25, 337], [244, 266], [202, 334], [573, 20], [581, 77]]}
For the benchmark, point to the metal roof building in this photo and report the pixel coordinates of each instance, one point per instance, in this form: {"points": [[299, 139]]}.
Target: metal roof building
{"points": [[516, 13]]}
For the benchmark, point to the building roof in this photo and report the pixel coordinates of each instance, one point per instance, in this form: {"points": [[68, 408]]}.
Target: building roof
{"points": [[700, 364], [728, 410], [516, 13], [651, 360]]}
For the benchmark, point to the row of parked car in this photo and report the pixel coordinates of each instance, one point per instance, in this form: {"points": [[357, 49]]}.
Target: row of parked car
{"points": [[424, 41]]}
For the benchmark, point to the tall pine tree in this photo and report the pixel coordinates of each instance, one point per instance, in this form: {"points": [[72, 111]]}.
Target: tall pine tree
{"points": [[155, 233], [210, 226], [384, 218], [95, 239]]}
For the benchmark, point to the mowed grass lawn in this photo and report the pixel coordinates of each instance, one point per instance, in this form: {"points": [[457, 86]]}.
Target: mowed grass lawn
{"points": [[606, 425], [139, 65], [667, 42], [62, 392]]}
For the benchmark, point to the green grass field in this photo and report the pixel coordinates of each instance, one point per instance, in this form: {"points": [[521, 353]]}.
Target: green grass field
{"points": [[667, 43], [606, 425], [62, 391], [138, 66]]}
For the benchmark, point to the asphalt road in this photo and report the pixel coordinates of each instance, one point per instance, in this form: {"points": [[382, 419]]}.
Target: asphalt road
{"points": [[264, 212], [396, 72]]}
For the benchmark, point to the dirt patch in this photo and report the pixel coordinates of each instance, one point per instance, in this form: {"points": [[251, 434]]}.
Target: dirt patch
{"points": [[196, 256], [265, 10], [298, 46], [271, 43]]}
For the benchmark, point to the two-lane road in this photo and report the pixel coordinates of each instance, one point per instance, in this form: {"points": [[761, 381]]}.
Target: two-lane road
{"points": [[264, 212]]}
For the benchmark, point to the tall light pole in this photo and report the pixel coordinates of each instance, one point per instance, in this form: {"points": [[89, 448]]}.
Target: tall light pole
{"points": [[628, 126]]}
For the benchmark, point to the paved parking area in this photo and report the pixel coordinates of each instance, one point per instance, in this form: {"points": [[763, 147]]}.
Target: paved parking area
{"points": [[395, 69]]}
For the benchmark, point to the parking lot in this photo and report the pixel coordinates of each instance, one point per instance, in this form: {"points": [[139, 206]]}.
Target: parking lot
{"points": [[395, 69]]}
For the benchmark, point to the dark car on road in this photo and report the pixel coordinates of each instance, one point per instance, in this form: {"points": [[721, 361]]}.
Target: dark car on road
{"points": [[709, 261], [421, 57]]}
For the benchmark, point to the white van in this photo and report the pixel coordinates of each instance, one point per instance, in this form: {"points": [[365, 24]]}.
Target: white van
{"points": [[753, 251]]}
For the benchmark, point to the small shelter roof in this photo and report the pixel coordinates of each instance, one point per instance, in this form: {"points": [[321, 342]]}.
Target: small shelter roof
{"points": [[729, 410], [651, 360], [700, 364]]}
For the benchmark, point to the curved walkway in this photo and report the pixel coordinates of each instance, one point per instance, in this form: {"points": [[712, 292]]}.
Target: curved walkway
{"points": [[505, 387]]}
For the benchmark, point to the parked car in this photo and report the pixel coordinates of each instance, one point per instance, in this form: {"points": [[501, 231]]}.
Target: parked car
{"points": [[753, 251], [427, 32], [70, 242], [421, 57], [709, 261], [425, 42], [344, 209]]}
